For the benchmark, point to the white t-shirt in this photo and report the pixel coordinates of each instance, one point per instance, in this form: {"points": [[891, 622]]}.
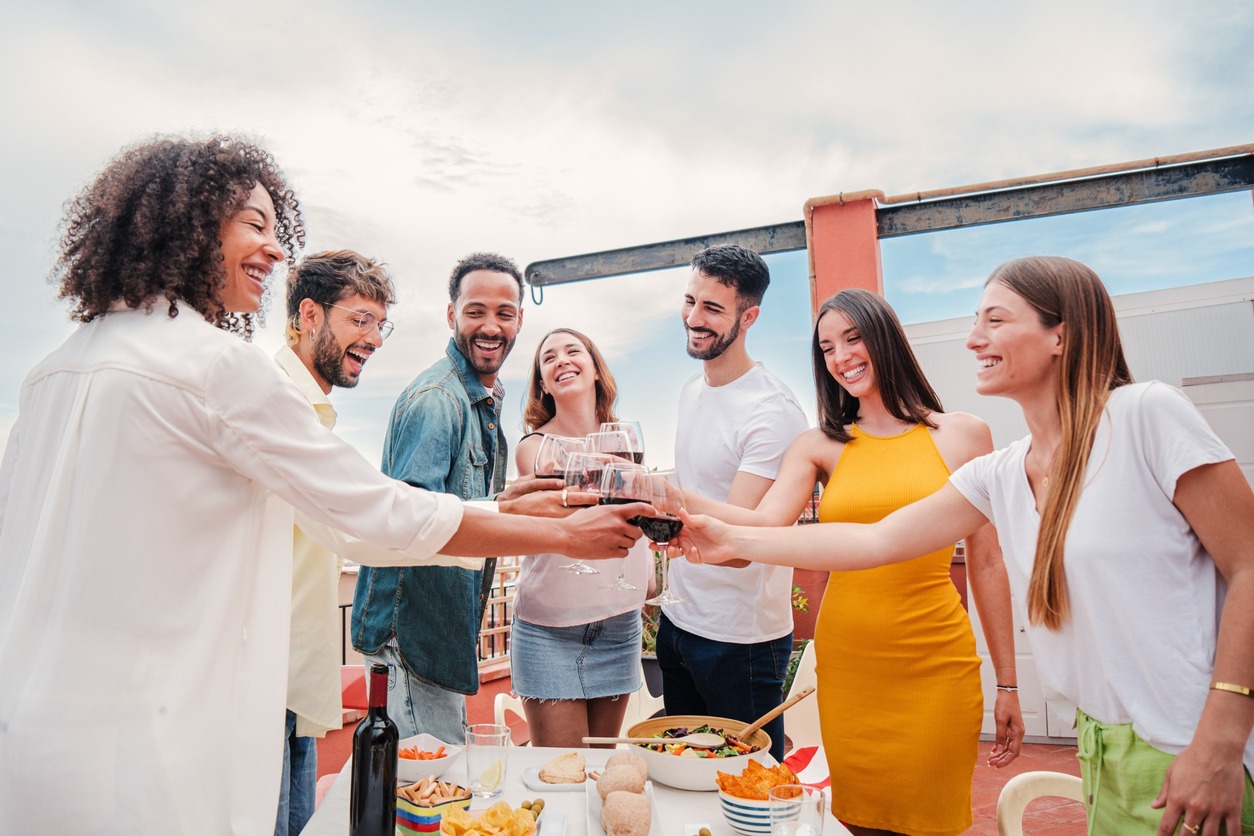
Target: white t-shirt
{"points": [[743, 425], [1145, 596], [146, 500]]}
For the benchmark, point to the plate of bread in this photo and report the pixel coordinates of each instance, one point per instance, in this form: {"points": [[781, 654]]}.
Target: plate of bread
{"points": [[565, 773], [620, 799]]}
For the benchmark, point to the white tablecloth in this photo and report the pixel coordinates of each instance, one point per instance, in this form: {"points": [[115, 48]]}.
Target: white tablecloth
{"points": [[675, 808]]}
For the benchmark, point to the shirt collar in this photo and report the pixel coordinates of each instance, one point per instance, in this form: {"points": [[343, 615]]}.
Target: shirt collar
{"points": [[470, 378], [308, 386]]}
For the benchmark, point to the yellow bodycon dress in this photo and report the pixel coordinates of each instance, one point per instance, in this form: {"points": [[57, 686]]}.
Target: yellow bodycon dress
{"points": [[899, 678]]}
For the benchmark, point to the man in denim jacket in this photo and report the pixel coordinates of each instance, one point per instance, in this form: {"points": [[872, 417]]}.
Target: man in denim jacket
{"points": [[444, 435]]}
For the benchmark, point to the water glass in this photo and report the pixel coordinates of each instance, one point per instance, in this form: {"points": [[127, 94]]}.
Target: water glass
{"points": [[796, 810], [487, 750]]}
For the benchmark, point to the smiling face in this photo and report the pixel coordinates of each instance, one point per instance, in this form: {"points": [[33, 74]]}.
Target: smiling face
{"points": [[340, 348], [565, 365], [1016, 353], [485, 320], [712, 316], [250, 249], [845, 354]]}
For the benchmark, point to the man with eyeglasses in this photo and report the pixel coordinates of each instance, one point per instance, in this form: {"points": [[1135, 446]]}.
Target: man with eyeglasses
{"points": [[337, 304]]}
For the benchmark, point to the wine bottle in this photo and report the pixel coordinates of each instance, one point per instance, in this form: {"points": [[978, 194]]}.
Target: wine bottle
{"points": [[372, 808]]}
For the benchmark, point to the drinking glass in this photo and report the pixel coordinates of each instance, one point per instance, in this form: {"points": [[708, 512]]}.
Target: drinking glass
{"points": [[667, 497], [625, 482], [487, 749], [796, 810], [583, 473], [553, 453], [616, 443], [635, 437]]}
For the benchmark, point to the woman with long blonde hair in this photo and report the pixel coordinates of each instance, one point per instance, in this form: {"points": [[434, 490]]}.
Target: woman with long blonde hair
{"points": [[1127, 528]]}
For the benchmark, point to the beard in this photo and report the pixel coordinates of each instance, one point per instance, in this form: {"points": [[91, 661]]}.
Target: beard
{"points": [[465, 344], [720, 344], [328, 361]]}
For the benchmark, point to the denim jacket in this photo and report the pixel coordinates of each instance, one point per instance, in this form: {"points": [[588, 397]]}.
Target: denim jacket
{"points": [[444, 435]]}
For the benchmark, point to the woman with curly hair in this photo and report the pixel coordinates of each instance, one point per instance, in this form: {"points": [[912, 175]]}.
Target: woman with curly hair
{"points": [[1128, 533], [146, 500], [575, 640]]}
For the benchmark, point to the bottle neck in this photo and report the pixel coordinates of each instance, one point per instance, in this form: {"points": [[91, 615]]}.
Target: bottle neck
{"points": [[378, 692]]}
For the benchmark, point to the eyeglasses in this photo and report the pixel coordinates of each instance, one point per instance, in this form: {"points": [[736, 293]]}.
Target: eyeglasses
{"points": [[366, 321]]}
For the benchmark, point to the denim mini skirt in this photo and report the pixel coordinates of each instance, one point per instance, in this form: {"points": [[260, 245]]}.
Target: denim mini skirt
{"points": [[583, 662]]}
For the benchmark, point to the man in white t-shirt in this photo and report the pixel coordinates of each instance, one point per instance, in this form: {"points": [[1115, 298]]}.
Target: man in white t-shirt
{"points": [[724, 650]]}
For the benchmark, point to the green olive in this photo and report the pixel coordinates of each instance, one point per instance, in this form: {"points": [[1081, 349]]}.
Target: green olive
{"points": [[537, 806], [526, 805], [705, 831]]}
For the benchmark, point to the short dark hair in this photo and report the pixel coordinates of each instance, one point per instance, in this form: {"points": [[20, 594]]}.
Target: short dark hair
{"points": [[328, 277], [149, 226], [903, 387], [738, 267], [483, 261]]}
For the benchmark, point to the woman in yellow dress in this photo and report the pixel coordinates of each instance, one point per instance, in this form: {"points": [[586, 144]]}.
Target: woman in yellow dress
{"points": [[898, 676]]}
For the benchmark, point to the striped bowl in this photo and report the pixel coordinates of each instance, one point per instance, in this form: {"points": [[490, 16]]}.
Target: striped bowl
{"points": [[745, 815]]}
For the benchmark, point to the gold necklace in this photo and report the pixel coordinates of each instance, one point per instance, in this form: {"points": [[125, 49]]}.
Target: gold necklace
{"points": [[1045, 471]]}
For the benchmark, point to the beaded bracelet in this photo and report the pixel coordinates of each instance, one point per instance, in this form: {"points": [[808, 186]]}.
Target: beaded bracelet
{"points": [[1010, 688]]}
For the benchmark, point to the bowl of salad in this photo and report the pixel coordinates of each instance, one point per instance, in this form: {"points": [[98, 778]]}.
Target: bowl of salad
{"points": [[688, 768]]}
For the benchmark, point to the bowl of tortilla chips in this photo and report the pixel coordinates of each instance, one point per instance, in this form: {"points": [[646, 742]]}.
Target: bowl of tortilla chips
{"points": [[743, 797]]}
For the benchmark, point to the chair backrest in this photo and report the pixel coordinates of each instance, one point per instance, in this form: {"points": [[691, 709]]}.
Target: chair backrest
{"points": [[1022, 789], [641, 705], [505, 704], [801, 722]]}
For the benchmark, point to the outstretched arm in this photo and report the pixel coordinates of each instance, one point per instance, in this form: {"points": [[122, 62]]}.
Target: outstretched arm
{"points": [[1204, 784], [924, 526], [777, 503]]}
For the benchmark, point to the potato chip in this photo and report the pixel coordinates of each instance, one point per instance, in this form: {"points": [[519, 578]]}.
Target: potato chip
{"points": [[756, 780], [498, 820]]}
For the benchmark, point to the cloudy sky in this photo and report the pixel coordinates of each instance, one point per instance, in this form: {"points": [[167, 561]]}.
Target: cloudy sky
{"points": [[416, 132]]}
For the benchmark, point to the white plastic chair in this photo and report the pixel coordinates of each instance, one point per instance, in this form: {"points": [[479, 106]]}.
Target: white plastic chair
{"points": [[506, 703], [801, 722], [1022, 789]]}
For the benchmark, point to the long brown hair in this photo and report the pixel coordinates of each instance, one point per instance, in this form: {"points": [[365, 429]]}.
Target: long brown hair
{"points": [[539, 407], [906, 393], [1092, 364]]}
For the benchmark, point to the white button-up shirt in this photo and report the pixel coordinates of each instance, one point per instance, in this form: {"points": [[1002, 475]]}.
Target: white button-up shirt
{"points": [[145, 575]]}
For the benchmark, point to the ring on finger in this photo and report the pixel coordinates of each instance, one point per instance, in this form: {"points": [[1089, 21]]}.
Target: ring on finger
{"points": [[564, 505], [1192, 828]]}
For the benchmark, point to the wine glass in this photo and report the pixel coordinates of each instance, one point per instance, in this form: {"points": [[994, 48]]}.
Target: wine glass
{"points": [[624, 482], [668, 498], [553, 453], [616, 443], [635, 437], [583, 473]]}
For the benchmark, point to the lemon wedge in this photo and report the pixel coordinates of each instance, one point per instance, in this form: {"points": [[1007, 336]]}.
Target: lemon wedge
{"points": [[491, 777]]}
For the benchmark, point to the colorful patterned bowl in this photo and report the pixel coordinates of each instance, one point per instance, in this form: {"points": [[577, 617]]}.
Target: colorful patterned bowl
{"points": [[414, 818]]}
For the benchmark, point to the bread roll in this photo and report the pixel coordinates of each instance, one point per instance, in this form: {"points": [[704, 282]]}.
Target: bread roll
{"points": [[619, 778], [628, 759], [625, 814]]}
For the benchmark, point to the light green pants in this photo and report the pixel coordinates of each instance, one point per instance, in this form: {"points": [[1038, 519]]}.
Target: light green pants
{"points": [[1123, 774]]}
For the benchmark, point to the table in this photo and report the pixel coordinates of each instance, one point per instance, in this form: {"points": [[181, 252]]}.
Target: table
{"points": [[675, 808]]}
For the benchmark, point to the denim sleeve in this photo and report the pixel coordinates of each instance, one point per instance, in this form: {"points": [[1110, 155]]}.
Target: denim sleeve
{"points": [[426, 433]]}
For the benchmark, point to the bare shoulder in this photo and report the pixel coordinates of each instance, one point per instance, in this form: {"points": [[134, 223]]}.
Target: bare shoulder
{"points": [[961, 437], [525, 454], [814, 447]]}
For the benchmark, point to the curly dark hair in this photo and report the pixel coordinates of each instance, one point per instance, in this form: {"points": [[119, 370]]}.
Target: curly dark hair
{"points": [[482, 261], [149, 227]]}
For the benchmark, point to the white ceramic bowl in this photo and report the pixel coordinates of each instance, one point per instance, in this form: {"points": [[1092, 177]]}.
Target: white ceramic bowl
{"points": [[745, 815], [692, 773], [410, 771]]}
